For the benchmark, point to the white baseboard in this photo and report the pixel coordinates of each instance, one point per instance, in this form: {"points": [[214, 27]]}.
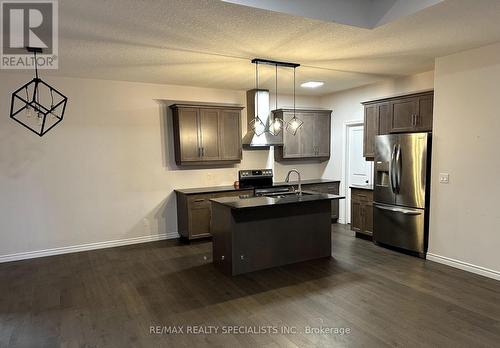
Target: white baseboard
{"points": [[464, 266], [86, 247]]}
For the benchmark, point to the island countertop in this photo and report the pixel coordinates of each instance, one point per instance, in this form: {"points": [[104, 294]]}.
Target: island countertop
{"points": [[253, 202]]}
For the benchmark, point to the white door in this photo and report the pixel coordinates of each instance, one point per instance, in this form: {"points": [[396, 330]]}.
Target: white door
{"points": [[359, 171]]}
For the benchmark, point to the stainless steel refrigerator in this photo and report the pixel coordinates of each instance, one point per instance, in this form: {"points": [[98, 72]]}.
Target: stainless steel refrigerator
{"points": [[401, 191]]}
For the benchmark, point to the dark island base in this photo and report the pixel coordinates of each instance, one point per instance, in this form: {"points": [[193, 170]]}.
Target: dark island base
{"points": [[248, 240]]}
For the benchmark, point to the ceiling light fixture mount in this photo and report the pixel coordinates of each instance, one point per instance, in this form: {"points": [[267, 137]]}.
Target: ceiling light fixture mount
{"points": [[275, 126], [32, 103]]}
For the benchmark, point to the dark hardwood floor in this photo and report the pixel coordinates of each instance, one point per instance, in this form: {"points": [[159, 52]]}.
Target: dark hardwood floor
{"points": [[112, 297]]}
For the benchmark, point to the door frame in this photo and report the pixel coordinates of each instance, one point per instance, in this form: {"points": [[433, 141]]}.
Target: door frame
{"points": [[345, 215]]}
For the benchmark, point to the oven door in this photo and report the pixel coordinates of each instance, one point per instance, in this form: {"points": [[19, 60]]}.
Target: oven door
{"points": [[399, 227]]}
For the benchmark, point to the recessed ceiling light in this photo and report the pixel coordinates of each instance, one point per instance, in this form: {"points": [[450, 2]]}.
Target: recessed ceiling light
{"points": [[312, 84]]}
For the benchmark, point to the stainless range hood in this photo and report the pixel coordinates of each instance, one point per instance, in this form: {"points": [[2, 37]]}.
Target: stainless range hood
{"points": [[252, 140]]}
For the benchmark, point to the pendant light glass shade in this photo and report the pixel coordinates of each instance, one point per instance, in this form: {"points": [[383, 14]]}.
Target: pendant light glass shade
{"points": [[257, 125], [275, 125], [295, 123]]}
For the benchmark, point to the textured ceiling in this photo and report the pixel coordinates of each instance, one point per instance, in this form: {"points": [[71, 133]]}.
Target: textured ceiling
{"points": [[209, 43]]}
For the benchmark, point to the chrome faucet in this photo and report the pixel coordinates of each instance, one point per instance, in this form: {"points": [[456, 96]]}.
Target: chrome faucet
{"points": [[298, 174]]}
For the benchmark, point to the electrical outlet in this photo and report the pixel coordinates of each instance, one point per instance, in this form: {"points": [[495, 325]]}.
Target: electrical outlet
{"points": [[444, 178]]}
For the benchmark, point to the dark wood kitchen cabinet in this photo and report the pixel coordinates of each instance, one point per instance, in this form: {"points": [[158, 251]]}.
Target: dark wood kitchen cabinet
{"points": [[312, 140], [194, 212], [331, 188], [370, 130], [362, 211], [403, 114], [209, 140], [230, 135], [206, 134], [411, 114], [376, 122]]}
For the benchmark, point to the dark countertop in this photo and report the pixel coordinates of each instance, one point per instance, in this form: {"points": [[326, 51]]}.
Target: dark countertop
{"points": [[199, 190], [362, 187], [254, 202]]}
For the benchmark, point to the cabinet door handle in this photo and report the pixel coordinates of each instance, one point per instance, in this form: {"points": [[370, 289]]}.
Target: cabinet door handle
{"points": [[198, 200], [202, 152]]}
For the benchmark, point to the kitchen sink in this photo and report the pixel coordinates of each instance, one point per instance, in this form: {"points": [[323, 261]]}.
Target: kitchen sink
{"points": [[291, 194]]}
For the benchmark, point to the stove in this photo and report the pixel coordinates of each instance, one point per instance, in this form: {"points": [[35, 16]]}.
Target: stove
{"points": [[255, 178]]}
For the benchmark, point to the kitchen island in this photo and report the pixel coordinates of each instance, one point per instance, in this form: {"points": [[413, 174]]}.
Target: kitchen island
{"points": [[255, 233]]}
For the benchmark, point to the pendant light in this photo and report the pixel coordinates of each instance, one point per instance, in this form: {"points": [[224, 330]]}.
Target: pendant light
{"points": [[275, 126], [295, 123], [256, 124], [37, 106], [276, 123]]}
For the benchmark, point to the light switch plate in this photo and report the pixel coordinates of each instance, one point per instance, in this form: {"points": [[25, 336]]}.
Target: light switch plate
{"points": [[444, 178]]}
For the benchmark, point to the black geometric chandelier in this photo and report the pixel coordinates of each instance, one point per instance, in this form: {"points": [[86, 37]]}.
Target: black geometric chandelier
{"points": [[37, 105], [276, 124]]}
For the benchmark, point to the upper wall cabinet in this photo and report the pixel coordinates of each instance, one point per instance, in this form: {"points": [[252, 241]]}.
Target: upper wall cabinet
{"points": [[206, 134], [312, 140], [403, 114]]}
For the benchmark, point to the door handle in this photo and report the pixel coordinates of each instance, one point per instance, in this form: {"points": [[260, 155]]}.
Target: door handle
{"points": [[398, 169], [391, 170], [398, 210]]}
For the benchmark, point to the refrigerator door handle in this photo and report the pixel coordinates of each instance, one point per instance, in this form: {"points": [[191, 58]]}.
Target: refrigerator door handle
{"points": [[398, 209], [392, 178], [399, 164]]}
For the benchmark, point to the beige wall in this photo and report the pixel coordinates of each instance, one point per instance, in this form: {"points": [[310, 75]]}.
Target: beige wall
{"points": [[465, 216], [346, 106], [106, 172]]}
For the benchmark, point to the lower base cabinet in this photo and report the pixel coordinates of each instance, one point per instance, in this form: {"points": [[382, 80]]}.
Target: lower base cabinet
{"points": [[194, 212], [331, 188], [362, 211]]}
